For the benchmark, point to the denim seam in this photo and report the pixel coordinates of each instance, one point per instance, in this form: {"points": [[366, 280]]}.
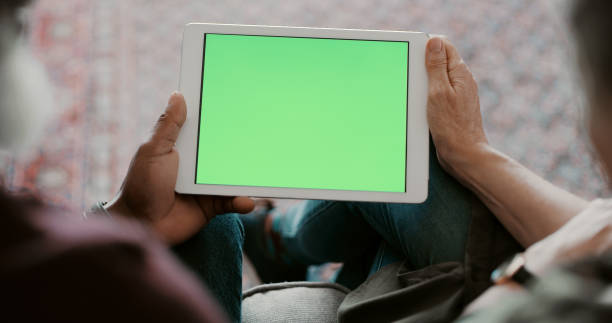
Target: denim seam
{"points": [[315, 213], [381, 257], [398, 237]]}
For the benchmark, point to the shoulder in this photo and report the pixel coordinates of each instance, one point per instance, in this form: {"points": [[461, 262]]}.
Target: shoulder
{"points": [[74, 268]]}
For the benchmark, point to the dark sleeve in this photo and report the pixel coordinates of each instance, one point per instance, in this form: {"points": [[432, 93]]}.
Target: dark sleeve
{"points": [[112, 281]]}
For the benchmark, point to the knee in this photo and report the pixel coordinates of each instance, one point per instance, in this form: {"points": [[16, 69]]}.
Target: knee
{"points": [[226, 230], [217, 246]]}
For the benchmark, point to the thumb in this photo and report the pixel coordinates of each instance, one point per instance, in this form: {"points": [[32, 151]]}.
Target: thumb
{"points": [[437, 63], [169, 125]]}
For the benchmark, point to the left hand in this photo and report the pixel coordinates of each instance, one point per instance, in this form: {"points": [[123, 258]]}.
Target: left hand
{"points": [[148, 192]]}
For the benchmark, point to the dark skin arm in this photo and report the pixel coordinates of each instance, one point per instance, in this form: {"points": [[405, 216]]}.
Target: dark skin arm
{"points": [[148, 192]]}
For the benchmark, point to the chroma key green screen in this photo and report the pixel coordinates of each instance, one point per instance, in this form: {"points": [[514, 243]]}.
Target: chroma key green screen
{"points": [[297, 112]]}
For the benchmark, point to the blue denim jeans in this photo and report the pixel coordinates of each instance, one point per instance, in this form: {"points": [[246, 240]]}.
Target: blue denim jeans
{"points": [[215, 256], [366, 236]]}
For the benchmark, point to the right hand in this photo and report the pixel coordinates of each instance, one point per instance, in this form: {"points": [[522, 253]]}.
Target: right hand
{"points": [[148, 192], [453, 107]]}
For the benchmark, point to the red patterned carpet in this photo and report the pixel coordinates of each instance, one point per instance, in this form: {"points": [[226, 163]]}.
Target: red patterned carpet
{"points": [[115, 62]]}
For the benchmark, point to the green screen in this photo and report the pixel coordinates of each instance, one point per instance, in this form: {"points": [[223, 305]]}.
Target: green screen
{"points": [[303, 113]]}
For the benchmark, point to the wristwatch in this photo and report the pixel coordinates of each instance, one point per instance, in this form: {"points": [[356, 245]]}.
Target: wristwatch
{"points": [[512, 269], [97, 209]]}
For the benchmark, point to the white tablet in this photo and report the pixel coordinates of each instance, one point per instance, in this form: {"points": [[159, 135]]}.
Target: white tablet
{"points": [[308, 113]]}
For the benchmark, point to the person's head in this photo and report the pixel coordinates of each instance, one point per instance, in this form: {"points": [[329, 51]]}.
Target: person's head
{"points": [[592, 23], [25, 97]]}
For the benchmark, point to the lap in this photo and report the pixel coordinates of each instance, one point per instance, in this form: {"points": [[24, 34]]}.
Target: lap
{"points": [[428, 233], [322, 231], [431, 232]]}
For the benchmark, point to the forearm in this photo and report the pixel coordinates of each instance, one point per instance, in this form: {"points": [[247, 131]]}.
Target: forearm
{"points": [[527, 205]]}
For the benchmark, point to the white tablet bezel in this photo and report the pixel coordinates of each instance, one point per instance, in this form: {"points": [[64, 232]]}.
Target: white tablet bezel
{"points": [[417, 154]]}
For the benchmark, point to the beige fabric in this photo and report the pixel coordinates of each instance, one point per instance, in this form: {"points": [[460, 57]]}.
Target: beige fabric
{"points": [[588, 234], [293, 302]]}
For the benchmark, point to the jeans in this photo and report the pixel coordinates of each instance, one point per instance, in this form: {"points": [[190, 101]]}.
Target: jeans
{"points": [[215, 256], [366, 236]]}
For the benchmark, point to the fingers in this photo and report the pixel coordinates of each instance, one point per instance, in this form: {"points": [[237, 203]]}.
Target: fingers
{"points": [[269, 204], [214, 205], [458, 72], [437, 64], [169, 125], [243, 204], [445, 66], [452, 55]]}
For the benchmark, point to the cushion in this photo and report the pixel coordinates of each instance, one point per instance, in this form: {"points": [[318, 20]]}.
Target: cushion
{"points": [[293, 302]]}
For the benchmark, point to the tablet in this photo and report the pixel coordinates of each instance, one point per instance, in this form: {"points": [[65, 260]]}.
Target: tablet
{"points": [[309, 113]]}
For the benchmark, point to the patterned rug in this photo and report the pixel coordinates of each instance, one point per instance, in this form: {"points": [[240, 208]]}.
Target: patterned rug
{"points": [[115, 62]]}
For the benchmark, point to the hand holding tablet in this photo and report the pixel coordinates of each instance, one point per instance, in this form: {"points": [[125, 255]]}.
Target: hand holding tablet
{"points": [[342, 113]]}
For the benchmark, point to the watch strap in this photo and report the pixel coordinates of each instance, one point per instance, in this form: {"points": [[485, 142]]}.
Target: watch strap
{"points": [[523, 276], [97, 209]]}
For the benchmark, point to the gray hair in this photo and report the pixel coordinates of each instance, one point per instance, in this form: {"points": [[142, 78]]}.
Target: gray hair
{"points": [[592, 23], [22, 115], [10, 5], [9, 23]]}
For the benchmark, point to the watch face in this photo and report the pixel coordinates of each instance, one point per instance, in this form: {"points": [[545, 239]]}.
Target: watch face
{"points": [[508, 269], [499, 273]]}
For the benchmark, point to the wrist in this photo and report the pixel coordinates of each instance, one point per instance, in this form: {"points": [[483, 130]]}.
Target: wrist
{"points": [[539, 259], [514, 270], [461, 160], [97, 209], [118, 208]]}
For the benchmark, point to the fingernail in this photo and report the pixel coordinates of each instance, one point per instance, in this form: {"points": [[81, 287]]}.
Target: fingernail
{"points": [[435, 45], [173, 97]]}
